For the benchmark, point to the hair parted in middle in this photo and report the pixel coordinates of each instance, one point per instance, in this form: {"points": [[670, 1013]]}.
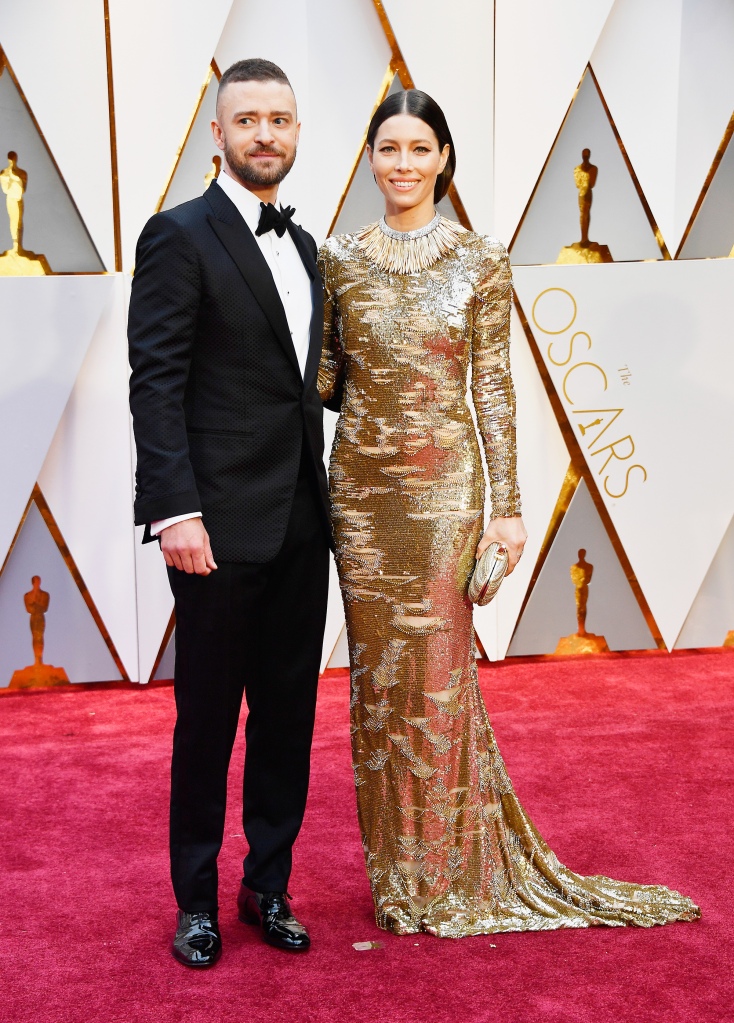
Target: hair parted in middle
{"points": [[419, 104]]}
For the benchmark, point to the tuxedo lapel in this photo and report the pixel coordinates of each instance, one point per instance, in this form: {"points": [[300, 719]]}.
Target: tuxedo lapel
{"points": [[317, 302], [238, 240]]}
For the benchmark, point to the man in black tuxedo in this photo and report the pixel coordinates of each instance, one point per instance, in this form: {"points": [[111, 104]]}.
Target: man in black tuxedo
{"points": [[225, 341]]}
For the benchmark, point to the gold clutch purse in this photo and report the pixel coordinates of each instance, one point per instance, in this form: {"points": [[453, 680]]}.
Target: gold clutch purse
{"points": [[488, 573]]}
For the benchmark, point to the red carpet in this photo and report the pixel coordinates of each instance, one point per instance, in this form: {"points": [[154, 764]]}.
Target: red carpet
{"points": [[624, 763]]}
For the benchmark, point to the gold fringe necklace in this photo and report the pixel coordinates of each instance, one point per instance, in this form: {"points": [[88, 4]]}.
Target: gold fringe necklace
{"points": [[408, 252]]}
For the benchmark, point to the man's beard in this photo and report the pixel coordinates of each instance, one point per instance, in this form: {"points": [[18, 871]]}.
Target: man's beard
{"points": [[251, 173]]}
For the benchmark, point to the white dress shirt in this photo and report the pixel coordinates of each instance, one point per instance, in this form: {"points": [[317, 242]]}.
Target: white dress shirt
{"points": [[290, 277]]}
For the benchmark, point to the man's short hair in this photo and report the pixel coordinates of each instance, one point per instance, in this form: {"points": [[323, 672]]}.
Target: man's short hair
{"points": [[254, 69]]}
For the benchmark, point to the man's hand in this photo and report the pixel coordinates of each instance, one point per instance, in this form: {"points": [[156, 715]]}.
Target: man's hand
{"points": [[508, 531], [186, 546]]}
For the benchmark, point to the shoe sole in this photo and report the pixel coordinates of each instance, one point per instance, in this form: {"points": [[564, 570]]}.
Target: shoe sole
{"points": [[197, 966]]}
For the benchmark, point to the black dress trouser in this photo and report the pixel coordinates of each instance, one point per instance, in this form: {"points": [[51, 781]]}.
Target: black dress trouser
{"points": [[256, 628]]}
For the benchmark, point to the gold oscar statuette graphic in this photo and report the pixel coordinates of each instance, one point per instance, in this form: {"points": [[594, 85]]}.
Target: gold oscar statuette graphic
{"points": [[38, 673], [729, 641], [213, 174], [582, 642], [585, 176], [17, 261]]}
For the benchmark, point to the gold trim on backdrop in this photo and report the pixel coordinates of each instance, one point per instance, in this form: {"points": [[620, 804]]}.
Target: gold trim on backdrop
{"points": [[384, 89], [192, 120], [399, 67], [113, 141], [6, 66], [13, 542], [640, 194], [453, 195], [333, 649], [55, 532], [723, 146], [579, 467], [397, 60], [568, 489], [164, 643], [638, 188]]}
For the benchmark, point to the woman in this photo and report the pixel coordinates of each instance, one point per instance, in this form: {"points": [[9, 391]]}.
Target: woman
{"points": [[410, 303]]}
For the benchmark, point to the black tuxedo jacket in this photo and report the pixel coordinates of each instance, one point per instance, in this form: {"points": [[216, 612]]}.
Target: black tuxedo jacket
{"points": [[220, 410]]}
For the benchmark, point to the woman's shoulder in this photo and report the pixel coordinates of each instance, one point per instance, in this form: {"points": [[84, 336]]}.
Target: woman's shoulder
{"points": [[339, 247], [487, 262], [485, 246]]}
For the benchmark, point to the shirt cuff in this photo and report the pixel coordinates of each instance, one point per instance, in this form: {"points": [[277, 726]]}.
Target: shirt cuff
{"points": [[157, 527]]}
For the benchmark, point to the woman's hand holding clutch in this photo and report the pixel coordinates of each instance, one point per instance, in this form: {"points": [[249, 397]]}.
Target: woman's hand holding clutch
{"points": [[509, 531]]}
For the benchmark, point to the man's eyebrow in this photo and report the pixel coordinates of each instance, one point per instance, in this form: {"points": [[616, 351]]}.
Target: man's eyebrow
{"points": [[272, 113]]}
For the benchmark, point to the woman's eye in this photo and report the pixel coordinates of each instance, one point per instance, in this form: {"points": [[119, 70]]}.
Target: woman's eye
{"points": [[387, 149], [422, 149]]}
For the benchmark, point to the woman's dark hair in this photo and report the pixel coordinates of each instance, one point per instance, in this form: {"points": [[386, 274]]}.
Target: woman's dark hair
{"points": [[419, 104]]}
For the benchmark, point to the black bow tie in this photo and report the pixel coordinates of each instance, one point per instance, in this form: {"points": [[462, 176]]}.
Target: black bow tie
{"points": [[274, 220]]}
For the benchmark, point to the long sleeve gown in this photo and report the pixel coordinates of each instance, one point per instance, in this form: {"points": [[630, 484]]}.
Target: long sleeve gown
{"points": [[449, 849]]}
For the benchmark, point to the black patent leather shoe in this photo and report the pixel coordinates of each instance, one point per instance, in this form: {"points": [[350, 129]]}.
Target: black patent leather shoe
{"points": [[271, 911], [198, 942]]}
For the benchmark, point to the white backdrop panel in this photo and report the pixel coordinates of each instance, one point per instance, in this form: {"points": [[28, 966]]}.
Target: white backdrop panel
{"points": [[712, 232], [87, 475], [543, 461], [61, 64], [428, 33], [196, 157], [613, 611], [637, 64], [705, 99], [51, 222], [641, 358], [541, 50], [72, 639], [335, 608], [160, 57], [348, 58], [712, 614], [618, 218], [154, 604], [48, 323]]}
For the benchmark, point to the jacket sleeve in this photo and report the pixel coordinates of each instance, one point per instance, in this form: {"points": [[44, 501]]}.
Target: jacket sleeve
{"points": [[491, 383], [164, 306]]}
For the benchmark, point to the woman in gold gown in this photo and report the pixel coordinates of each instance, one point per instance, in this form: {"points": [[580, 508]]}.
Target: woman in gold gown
{"points": [[410, 304]]}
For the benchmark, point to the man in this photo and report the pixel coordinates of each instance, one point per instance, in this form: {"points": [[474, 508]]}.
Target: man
{"points": [[225, 340]]}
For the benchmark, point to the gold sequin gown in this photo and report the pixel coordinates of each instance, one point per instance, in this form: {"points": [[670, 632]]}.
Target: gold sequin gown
{"points": [[448, 847]]}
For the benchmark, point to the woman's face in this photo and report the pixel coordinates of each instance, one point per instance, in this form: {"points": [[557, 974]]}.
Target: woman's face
{"points": [[406, 160]]}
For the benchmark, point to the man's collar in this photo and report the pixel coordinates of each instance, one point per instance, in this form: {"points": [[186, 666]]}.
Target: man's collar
{"points": [[246, 201]]}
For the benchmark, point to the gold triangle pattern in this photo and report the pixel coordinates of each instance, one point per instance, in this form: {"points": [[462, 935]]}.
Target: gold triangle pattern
{"points": [[397, 68], [589, 74], [19, 261], [39, 500], [715, 165], [212, 72], [577, 471]]}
